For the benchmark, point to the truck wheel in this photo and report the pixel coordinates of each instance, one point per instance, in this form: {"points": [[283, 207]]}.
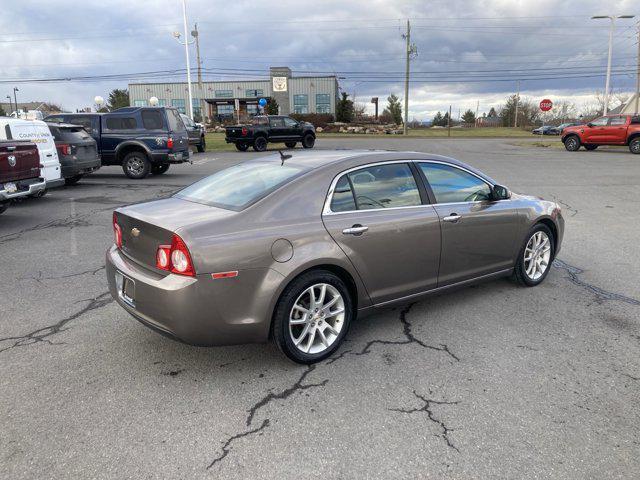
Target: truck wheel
{"points": [[572, 143], [159, 169], [136, 165], [634, 145], [242, 146], [260, 144], [3, 207], [202, 146], [72, 180], [590, 147], [40, 194], [290, 144], [308, 141]]}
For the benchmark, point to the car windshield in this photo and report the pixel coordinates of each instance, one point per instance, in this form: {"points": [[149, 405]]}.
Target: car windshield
{"points": [[237, 187]]}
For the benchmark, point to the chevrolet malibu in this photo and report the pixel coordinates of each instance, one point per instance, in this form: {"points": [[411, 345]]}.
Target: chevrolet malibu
{"points": [[293, 248]]}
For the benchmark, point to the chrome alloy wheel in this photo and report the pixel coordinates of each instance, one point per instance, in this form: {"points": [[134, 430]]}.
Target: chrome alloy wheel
{"points": [[537, 255], [316, 319], [135, 165]]}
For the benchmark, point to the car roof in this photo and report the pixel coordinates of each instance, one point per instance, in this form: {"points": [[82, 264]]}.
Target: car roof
{"points": [[63, 125]]}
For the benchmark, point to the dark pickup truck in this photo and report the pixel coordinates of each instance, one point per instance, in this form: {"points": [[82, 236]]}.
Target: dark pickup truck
{"points": [[19, 171], [142, 140], [266, 129]]}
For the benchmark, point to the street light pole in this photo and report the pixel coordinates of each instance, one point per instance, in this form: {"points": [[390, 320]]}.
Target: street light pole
{"points": [[611, 29], [10, 104], [186, 53], [15, 100]]}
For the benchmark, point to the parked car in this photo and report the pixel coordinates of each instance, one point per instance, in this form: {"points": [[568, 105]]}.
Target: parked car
{"points": [[265, 129], [77, 151], [142, 140], [195, 132], [19, 171], [558, 130], [546, 130], [607, 130], [37, 132], [294, 247]]}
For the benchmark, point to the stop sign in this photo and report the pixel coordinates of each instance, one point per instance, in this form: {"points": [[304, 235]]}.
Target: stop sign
{"points": [[546, 105]]}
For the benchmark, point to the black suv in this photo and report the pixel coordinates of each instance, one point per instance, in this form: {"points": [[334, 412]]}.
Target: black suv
{"points": [[271, 129], [142, 140]]}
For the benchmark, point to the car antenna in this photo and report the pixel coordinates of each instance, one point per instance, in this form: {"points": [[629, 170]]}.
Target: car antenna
{"points": [[284, 156]]}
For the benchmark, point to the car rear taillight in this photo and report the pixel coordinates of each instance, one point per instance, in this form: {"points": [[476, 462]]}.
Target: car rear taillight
{"points": [[175, 258], [117, 231], [169, 142], [64, 149], [244, 131]]}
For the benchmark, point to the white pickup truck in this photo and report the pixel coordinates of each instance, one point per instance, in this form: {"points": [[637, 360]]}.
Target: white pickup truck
{"points": [[37, 132]]}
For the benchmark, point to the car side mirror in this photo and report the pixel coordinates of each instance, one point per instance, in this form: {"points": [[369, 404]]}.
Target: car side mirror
{"points": [[590, 125], [500, 192]]}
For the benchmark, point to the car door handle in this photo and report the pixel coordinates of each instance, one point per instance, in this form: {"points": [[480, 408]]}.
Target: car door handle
{"points": [[453, 218], [355, 230]]}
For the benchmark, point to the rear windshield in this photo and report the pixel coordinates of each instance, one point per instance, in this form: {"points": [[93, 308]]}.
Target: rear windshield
{"points": [[175, 122], [69, 134], [237, 187]]}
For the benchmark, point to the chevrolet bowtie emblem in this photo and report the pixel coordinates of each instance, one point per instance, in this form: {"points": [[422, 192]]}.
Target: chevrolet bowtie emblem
{"points": [[135, 232]]}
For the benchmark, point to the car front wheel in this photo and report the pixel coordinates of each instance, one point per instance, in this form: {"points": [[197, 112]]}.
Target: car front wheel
{"points": [[136, 165], [312, 317], [202, 146], [290, 144], [634, 145], [308, 141], [572, 143], [535, 257]]}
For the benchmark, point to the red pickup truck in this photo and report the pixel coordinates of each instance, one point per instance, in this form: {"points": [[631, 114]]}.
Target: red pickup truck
{"points": [[19, 171], [607, 130]]}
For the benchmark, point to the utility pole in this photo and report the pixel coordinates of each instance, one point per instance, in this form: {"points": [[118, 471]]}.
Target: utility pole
{"points": [[449, 123], [15, 100], [638, 74], [477, 111], [411, 50], [195, 35], [515, 122], [10, 104]]}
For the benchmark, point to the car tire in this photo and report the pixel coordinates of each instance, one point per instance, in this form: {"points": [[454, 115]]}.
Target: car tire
{"points": [[242, 146], [290, 144], [572, 143], [320, 335], [590, 147], [136, 165], [260, 144], [72, 180], [308, 141], [528, 271], [202, 146], [634, 145], [159, 169], [3, 207], [40, 194]]}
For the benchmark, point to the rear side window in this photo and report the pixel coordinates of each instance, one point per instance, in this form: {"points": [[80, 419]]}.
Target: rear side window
{"points": [[453, 185], [121, 123], [152, 119], [55, 131], [54, 119], [175, 122], [343, 200], [276, 122], [383, 186]]}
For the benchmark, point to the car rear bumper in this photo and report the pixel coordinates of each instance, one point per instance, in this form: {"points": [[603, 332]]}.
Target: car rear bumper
{"points": [[197, 310], [174, 157], [25, 188], [80, 167]]}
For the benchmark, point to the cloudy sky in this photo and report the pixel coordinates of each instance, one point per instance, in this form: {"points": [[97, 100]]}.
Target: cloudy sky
{"points": [[468, 51]]}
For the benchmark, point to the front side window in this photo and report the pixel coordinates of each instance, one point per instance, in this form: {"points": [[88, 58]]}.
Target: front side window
{"points": [[453, 185], [379, 186], [301, 103], [290, 122], [276, 122], [179, 104], [237, 187], [599, 122], [152, 119], [617, 120]]}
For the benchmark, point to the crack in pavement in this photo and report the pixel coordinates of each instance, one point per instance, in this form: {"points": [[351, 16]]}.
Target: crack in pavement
{"points": [[427, 409], [268, 398], [38, 278], [42, 334], [410, 338], [601, 294], [573, 211], [226, 448]]}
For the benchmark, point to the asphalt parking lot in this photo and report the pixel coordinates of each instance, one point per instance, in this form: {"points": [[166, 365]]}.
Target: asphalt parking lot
{"points": [[491, 381]]}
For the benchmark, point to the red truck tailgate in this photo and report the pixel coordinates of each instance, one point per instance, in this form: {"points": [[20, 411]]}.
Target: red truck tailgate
{"points": [[18, 161]]}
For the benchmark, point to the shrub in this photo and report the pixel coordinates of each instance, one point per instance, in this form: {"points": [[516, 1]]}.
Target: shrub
{"points": [[317, 119]]}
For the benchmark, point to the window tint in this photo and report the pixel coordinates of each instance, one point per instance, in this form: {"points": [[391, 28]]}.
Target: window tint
{"points": [[84, 121], [276, 122], [384, 186], [452, 185], [600, 122], [175, 122], [260, 121], [290, 122], [238, 186], [617, 120], [54, 119], [121, 123], [342, 200], [152, 119]]}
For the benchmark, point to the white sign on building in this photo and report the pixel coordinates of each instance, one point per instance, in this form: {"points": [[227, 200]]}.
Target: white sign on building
{"points": [[279, 84]]}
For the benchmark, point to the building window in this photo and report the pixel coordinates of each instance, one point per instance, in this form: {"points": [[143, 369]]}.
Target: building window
{"points": [[162, 102], [139, 103], [254, 92], [301, 103], [225, 111], [224, 93], [197, 113], [179, 104], [252, 109], [323, 103]]}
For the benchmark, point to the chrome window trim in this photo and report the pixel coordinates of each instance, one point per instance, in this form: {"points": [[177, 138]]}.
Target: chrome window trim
{"points": [[327, 203]]}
